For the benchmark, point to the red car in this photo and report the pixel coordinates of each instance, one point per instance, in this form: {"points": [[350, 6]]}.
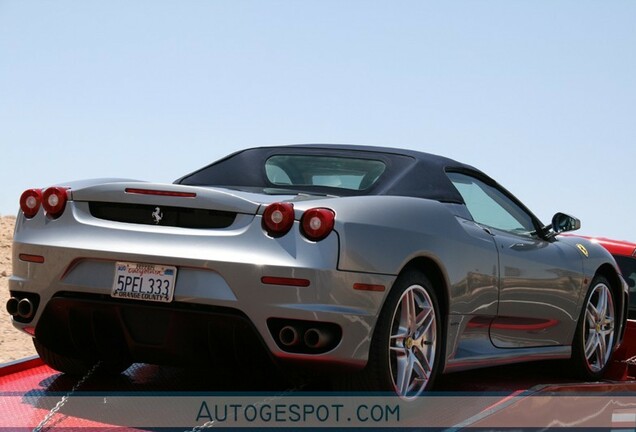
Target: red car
{"points": [[625, 255]]}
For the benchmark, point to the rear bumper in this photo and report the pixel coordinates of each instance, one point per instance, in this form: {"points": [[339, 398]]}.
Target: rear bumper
{"points": [[99, 328], [219, 280]]}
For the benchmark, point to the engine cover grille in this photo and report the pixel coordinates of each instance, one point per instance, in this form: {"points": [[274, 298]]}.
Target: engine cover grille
{"points": [[144, 214]]}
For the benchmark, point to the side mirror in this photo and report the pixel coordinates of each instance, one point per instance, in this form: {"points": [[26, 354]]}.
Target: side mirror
{"points": [[562, 223]]}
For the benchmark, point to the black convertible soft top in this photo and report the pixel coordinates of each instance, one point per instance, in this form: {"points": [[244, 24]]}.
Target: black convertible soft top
{"points": [[408, 172]]}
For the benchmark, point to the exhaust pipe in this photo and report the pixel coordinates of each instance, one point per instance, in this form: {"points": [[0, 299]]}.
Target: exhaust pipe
{"points": [[288, 336], [316, 338], [12, 306], [25, 308]]}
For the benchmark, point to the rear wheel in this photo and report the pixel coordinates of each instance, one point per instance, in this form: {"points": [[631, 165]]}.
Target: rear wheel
{"points": [[596, 331], [77, 366], [406, 347]]}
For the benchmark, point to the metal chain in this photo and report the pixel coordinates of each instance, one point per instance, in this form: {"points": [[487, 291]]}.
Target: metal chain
{"points": [[205, 425], [64, 399], [91, 371]]}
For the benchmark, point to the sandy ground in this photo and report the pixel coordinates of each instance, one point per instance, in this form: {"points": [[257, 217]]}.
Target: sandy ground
{"points": [[13, 343]]}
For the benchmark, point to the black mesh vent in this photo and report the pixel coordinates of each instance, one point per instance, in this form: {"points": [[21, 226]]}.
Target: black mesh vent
{"points": [[162, 215]]}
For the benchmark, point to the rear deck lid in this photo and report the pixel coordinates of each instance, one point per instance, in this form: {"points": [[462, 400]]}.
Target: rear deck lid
{"points": [[166, 204]]}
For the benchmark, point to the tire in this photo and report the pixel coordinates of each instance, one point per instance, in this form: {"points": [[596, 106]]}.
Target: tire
{"points": [[76, 366], [595, 335], [406, 348]]}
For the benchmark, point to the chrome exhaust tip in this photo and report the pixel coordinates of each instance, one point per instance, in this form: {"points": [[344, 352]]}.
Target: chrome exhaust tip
{"points": [[12, 306], [316, 338], [288, 336], [25, 308]]}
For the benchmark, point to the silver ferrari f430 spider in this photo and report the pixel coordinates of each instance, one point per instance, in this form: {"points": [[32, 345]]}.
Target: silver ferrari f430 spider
{"points": [[393, 265]]}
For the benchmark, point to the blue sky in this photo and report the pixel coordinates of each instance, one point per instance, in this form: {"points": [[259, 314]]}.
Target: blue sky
{"points": [[541, 95]]}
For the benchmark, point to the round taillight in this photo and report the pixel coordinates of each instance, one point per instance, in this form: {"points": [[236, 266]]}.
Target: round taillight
{"points": [[317, 223], [30, 202], [54, 201], [278, 218]]}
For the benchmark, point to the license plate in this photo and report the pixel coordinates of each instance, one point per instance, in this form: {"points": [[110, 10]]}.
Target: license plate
{"points": [[149, 282]]}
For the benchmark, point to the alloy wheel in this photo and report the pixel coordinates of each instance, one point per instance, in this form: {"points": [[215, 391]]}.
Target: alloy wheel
{"points": [[599, 327], [413, 342]]}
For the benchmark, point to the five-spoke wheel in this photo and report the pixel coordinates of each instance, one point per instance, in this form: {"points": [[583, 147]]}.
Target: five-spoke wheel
{"points": [[413, 341], [595, 336], [599, 327], [407, 341]]}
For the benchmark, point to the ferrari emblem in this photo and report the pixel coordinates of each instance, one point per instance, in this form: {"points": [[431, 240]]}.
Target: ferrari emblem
{"points": [[157, 215], [582, 249]]}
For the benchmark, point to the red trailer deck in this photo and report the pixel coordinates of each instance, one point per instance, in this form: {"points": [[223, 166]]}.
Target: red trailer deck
{"points": [[524, 396]]}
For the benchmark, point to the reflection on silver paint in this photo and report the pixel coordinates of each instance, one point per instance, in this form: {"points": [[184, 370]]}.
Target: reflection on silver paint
{"points": [[532, 287], [470, 338]]}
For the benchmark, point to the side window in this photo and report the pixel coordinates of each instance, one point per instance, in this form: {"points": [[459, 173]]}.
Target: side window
{"points": [[277, 175], [491, 207]]}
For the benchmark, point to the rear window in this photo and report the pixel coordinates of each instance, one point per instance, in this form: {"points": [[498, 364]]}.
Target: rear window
{"points": [[329, 171]]}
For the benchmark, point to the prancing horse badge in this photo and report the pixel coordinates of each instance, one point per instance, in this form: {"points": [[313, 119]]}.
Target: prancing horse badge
{"points": [[157, 215], [583, 250]]}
